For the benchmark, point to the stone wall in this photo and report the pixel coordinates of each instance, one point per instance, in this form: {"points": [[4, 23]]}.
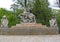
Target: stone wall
{"points": [[29, 29]]}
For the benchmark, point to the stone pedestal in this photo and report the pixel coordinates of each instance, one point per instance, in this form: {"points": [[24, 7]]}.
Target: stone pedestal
{"points": [[29, 29], [29, 25]]}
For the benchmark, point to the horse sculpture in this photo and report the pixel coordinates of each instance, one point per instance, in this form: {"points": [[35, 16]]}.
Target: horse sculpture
{"points": [[27, 17]]}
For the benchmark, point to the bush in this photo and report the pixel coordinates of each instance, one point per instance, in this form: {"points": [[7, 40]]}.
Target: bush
{"points": [[58, 20], [13, 20]]}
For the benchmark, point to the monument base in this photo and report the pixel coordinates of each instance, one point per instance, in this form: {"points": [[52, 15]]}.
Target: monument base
{"points": [[29, 29], [28, 25]]}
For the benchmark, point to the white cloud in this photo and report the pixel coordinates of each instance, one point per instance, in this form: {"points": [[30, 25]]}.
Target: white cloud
{"points": [[53, 4], [5, 3]]}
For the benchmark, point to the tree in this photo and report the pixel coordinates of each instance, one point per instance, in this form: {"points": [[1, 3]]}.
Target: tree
{"points": [[58, 18], [14, 7], [13, 20], [24, 3], [38, 7], [41, 11]]}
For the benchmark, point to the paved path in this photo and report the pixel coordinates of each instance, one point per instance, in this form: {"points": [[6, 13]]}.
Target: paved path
{"points": [[36, 38]]}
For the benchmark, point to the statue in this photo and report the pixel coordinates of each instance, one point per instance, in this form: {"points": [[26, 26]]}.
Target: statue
{"points": [[31, 17], [27, 17], [53, 22], [4, 22]]}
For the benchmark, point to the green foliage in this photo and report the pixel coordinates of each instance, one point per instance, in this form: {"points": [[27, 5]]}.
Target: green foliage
{"points": [[13, 20], [39, 8], [18, 11], [42, 12], [58, 20], [57, 15], [22, 3]]}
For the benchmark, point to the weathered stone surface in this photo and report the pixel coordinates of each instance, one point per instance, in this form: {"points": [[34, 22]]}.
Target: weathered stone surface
{"points": [[29, 25], [29, 29], [4, 22], [35, 31], [27, 17], [53, 23]]}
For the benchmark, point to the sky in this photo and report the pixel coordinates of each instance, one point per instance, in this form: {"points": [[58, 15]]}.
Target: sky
{"points": [[53, 4], [7, 4]]}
